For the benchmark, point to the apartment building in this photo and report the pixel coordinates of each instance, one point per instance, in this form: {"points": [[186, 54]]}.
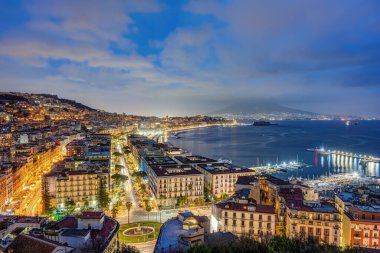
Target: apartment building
{"points": [[220, 178], [305, 219], [171, 182], [76, 148], [80, 186], [361, 218], [242, 216]]}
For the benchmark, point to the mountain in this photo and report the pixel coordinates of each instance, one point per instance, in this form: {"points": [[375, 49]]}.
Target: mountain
{"points": [[248, 108]]}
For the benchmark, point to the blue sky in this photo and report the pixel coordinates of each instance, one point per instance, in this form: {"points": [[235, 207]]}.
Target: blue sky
{"points": [[186, 57]]}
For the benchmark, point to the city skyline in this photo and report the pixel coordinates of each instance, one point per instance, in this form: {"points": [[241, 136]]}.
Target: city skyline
{"points": [[188, 57]]}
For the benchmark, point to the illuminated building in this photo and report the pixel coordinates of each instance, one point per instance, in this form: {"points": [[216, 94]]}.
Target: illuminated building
{"points": [[76, 148], [80, 186], [86, 232], [243, 216], [306, 219], [220, 178], [6, 138], [361, 219], [169, 183]]}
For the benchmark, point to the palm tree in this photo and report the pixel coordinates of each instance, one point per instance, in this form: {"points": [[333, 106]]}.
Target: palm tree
{"points": [[148, 208], [143, 187], [129, 206]]}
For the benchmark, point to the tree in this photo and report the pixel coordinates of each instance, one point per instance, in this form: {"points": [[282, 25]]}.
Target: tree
{"points": [[148, 208], [103, 197], [279, 244], [69, 206], [129, 206], [181, 201], [86, 205], [127, 249], [46, 199], [139, 174], [143, 187], [115, 211], [127, 150], [117, 154], [119, 178], [223, 196], [118, 167]]}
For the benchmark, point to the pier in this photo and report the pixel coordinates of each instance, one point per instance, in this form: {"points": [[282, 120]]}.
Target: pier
{"points": [[363, 158]]}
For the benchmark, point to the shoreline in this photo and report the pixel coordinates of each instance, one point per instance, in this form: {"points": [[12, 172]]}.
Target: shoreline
{"points": [[184, 129]]}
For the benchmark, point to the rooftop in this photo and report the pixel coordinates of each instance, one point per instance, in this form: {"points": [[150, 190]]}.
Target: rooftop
{"points": [[160, 160], [248, 207], [91, 215], [26, 243], [174, 170], [223, 168], [248, 180], [194, 159]]}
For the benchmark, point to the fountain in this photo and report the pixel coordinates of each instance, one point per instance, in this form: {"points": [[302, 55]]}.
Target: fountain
{"points": [[139, 230]]}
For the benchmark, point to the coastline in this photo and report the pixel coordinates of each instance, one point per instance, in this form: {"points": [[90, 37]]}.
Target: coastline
{"points": [[187, 128]]}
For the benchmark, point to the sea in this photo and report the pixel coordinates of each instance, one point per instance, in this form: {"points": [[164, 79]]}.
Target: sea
{"points": [[288, 141]]}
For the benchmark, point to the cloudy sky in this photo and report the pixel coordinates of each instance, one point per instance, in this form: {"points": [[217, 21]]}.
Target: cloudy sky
{"points": [[184, 57]]}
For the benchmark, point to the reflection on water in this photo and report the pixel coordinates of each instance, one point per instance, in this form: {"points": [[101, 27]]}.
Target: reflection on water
{"points": [[253, 146], [346, 164]]}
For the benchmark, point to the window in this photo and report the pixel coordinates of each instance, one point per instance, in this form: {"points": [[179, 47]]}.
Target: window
{"points": [[242, 223], [269, 218], [260, 217], [251, 216], [234, 215], [251, 223], [225, 214], [242, 215], [318, 231], [234, 222], [226, 222], [268, 226], [260, 224]]}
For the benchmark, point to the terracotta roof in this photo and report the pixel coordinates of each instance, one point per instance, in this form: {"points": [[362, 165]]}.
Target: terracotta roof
{"points": [[108, 227], [91, 215], [26, 243], [68, 222]]}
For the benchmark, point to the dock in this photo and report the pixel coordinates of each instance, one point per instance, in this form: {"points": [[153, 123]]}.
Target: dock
{"points": [[362, 158]]}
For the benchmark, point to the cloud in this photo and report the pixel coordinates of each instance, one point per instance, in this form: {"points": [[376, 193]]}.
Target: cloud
{"points": [[206, 54]]}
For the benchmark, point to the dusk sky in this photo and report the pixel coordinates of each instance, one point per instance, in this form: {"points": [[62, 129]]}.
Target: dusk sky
{"points": [[187, 57]]}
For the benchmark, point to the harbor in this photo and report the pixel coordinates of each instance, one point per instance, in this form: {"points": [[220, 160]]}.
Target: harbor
{"points": [[281, 168]]}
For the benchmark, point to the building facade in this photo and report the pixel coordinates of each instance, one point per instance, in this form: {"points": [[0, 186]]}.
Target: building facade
{"points": [[173, 183]]}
